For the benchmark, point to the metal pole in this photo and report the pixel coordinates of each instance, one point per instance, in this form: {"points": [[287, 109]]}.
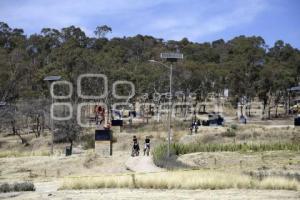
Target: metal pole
{"points": [[52, 127], [170, 112]]}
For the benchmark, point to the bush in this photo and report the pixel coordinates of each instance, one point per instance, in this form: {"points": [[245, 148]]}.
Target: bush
{"points": [[4, 187], [26, 186], [229, 133], [160, 155], [161, 159], [17, 187]]}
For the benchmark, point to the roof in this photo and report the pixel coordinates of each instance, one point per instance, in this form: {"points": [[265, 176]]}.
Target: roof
{"points": [[52, 78], [296, 88]]}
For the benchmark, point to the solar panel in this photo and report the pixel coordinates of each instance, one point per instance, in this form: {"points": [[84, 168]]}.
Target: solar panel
{"points": [[52, 78]]}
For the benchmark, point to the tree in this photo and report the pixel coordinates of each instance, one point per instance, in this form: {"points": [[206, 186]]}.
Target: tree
{"points": [[102, 31], [244, 65], [245, 60]]}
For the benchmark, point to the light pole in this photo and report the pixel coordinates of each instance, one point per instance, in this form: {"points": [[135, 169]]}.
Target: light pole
{"points": [[50, 80], [170, 101]]}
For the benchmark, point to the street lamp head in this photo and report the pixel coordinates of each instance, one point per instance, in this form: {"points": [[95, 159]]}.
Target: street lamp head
{"points": [[52, 78]]}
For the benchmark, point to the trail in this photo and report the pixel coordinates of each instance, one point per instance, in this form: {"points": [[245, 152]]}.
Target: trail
{"points": [[142, 164], [151, 194]]}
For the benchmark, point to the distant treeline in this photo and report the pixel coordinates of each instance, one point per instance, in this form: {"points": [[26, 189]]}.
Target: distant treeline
{"points": [[245, 65]]}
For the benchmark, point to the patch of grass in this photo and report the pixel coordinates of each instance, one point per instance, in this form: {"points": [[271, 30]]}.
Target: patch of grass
{"points": [[278, 183], [195, 179], [16, 187], [97, 182], [160, 152], [161, 159], [160, 155]]}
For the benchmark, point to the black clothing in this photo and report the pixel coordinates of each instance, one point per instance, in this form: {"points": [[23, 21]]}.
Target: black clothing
{"points": [[136, 146]]}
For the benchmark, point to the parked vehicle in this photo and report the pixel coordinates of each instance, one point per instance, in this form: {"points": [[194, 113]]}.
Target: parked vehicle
{"points": [[210, 119]]}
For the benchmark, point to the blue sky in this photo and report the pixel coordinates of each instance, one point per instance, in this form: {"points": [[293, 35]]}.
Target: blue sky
{"points": [[198, 20]]}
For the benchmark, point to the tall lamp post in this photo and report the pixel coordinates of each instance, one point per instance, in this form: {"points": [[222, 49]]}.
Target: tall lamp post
{"points": [[50, 80], [172, 57]]}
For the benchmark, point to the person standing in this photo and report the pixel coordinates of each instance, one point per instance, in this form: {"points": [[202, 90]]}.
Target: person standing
{"points": [[135, 147], [147, 146]]}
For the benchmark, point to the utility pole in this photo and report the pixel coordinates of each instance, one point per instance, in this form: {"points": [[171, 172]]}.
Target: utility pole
{"points": [[171, 57], [170, 111], [50, 80]]}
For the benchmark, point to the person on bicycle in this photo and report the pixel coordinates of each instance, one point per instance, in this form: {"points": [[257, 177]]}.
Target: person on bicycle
{"points": [[136, 147], [147, 146]]}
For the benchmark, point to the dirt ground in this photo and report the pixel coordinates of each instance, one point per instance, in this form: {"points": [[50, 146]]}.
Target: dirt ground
{"points": [[48, 167], [236, 161], [47, 172], [142, 164], [155, 194]]}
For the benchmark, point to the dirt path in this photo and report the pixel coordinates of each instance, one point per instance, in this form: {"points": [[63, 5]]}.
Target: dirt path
{"points": [[142, 164], [232, 194]]}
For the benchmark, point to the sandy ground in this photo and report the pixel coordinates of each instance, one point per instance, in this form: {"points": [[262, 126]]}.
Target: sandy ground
{"points": [[156, 194], [48, 167], [235, 161], [142, 164], [53, 168], [49, 190]]}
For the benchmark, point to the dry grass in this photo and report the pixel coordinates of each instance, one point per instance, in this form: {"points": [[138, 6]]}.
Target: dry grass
{"points": [[196, 179], [98, 182], [277, 183], [4, 154], [161, 158]]}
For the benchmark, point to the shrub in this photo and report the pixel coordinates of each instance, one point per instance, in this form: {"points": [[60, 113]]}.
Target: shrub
{"points": [[4, 187], [161, 159], [160, 155], [229, 133], [26, 186], [17, 187]]}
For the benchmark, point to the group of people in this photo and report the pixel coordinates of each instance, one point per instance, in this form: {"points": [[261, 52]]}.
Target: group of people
{"points": [[194, 126], [136, 146]]}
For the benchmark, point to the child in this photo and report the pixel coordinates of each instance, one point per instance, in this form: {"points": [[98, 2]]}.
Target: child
{"points": [[147, 146]]}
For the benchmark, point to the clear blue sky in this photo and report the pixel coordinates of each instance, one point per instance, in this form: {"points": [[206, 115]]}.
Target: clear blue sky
{"points": [[198, 20]]}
